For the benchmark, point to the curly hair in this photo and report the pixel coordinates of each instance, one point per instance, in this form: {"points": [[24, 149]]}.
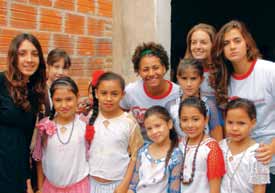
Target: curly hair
{"points": [[150, 49], [209, 29], [18, 88], [221, 69]]}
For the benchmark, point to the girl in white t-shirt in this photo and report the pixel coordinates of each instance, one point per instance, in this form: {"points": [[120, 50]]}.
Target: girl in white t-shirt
{"points": [[203, 164], [116, 139], [159, 163], [61, 144], [243, 172]]}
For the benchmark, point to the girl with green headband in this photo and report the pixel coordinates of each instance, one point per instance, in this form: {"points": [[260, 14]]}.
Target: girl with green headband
{"points": [[151, 63]]}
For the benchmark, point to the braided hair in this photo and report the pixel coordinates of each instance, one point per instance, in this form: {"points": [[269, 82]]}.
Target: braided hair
{"points": [[104, 77]]}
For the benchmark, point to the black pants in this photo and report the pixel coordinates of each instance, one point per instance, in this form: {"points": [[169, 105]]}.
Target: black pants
{"points": [[270, 188]]}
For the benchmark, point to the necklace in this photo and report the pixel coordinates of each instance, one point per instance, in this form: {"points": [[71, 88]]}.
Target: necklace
{"points": [[228, 173], [190, 180], [62, 131]]}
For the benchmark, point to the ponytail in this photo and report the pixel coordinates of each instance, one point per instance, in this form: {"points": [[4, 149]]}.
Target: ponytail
{"points": [[174, 143]]}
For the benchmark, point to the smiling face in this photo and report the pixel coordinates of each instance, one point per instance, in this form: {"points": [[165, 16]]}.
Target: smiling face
{"points": [[192, 123], [57, 70], [157, 129], [28, 59], [200, 45], [235, 48], [151, 71], [238, 124], [65, 103], [190, 81], [109, 93]]}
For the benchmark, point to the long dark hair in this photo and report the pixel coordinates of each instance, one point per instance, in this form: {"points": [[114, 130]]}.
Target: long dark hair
{"points": [[222, 69], [163, 114], [16, 85]]}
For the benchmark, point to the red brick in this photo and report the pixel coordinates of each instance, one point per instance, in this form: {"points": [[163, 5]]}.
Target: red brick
{"points": [[103, 47], [50, 20], [3, 63], [74, 24], [63, 41], [95, 27], [85, 46], [3, 11], [95, 63], [5, 38], [41, 2], [86, 6], [105, 8], [78, 63], [44, 38], [23, 16], [64, 4]]}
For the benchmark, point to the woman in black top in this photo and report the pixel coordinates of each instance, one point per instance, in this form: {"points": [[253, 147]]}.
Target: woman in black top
{"points": [[21, 98]]}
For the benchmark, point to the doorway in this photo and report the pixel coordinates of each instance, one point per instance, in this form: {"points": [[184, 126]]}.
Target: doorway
{"points": [[258, 17]]}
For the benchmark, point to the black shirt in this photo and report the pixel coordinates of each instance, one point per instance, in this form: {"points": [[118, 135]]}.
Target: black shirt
{"points": [[16, 128]]}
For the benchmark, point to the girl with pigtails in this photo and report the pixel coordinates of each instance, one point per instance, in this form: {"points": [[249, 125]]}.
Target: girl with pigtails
{"points": [[115, 136], [61, 145]]}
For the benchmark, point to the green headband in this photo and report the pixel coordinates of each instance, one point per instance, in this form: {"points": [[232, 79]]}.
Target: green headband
{"points": [[146, 52]]}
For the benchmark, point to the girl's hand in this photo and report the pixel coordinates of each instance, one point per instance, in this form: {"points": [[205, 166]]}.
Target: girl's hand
{"points": [[264, 153], [29, 186]]}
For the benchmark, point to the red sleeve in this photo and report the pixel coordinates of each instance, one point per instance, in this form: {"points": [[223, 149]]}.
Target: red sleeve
{"points": [[215, 161]]}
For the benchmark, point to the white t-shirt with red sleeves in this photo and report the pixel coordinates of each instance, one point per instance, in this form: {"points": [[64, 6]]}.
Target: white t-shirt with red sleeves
{"points": [[258, 85], [138, 100]]}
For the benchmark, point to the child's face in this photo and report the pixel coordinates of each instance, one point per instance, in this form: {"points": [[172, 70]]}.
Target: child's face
{"points": [[65, 102], [192, 123], [190, 82], [238, 124], [158, 129], [109, 93], [57, 70], [151, 71]]}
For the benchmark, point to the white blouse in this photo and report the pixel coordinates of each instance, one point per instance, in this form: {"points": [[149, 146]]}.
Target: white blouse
{"points": [[65, 164], [242, 170], [108, 154]]}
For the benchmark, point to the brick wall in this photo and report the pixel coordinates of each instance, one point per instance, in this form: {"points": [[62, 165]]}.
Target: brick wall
{"points": [[82, 27]]}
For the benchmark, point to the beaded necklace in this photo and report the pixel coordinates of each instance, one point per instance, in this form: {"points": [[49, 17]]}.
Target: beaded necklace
{"points": [[70, 136], [190, 180]]}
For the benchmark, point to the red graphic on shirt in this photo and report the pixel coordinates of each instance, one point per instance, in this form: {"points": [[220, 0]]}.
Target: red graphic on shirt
{"points": [[138, 113]]}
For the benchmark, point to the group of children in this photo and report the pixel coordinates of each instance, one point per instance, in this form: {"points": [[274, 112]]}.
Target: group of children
{"points": [[170, 141]]}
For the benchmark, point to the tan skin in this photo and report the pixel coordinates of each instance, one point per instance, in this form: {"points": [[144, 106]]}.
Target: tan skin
{"points": [[28, 63], [65, 104], [238, 127], [158, 131], [109, 93], [235, 51], [152, 73], [200, 47], [192, 123], [190, 82]]}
